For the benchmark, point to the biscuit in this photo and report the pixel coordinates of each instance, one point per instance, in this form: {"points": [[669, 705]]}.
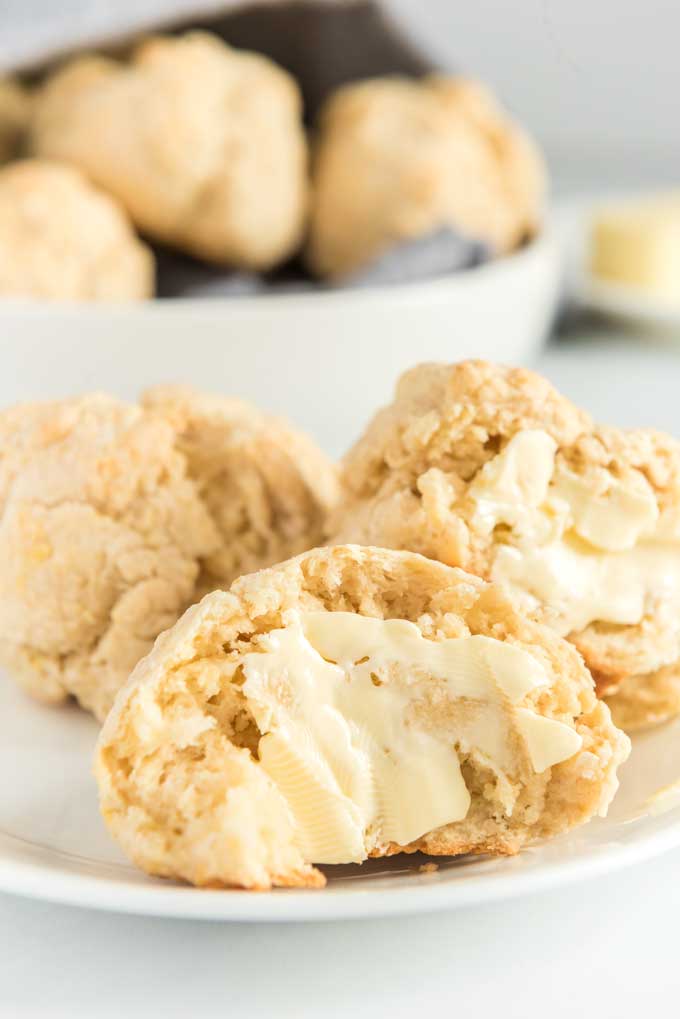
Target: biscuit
{"points": [[348, 703], [15, 112], [202, 144], [267, 486], [111, 525], [397, 159], [63, 239], [490, 469]]}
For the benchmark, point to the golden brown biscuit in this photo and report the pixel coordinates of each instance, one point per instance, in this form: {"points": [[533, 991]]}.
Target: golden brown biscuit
{"points": [[111, 525], [202, 144], [352, 702], [397, 159], [15, 111], [490, 469], [63, 239], [101, 537]]}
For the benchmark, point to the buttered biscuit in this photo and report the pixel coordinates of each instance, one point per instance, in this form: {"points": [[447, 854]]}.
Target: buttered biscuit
{"points": [[352, 702], [490, 469], [114, 518], [202, 144], [398, 159]]}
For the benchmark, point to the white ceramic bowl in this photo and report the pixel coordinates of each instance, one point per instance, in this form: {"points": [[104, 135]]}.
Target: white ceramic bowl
{"points": [[327, 360]]}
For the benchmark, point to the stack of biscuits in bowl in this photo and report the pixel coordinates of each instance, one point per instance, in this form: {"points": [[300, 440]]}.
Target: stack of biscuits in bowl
{"points": [[438, 645], [185, 150]]}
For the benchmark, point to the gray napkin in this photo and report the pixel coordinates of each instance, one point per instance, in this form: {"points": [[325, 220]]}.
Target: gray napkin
{"points": [[323, 43], [439, 254]]}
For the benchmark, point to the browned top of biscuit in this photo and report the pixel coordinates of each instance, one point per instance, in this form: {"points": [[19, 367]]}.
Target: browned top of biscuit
{"points": [[455, 418]]}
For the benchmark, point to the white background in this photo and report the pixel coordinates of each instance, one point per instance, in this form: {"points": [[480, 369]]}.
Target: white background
{"points": [[597, 80], [606, 950]]}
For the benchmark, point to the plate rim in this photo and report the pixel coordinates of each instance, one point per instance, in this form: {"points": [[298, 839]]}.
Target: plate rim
{"points": [[29, 879], [629, 303]]}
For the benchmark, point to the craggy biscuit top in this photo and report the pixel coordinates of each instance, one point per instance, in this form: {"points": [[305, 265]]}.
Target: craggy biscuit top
{"points": [[397, 159], [455, 418], [221, 128], [101, 533], [361, 701], [114, 518], [62, 238]]}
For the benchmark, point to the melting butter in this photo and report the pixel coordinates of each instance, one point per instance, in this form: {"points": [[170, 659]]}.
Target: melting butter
{"points": [[547, 740], [615, 520], [335, 696], [603, 556], [511, 488]]}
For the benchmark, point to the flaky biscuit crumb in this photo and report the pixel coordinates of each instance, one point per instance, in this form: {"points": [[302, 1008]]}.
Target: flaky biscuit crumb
{"points": [[267, 486]]}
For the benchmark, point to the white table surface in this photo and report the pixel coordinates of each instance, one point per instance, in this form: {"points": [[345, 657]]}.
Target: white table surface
{"points": [[604, 948]]}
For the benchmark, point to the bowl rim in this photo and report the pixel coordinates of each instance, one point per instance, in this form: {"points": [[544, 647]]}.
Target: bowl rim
{"points": [[541, 248]]}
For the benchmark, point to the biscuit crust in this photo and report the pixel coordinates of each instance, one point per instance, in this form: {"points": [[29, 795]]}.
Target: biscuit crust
{"points": [[221, 128], [406, 484], [177, 756], [397, 159], [267, 486], [63, 239]]}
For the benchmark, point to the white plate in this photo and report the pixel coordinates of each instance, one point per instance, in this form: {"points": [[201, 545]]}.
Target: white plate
{"points": [[53, 844], [325, 359], [625, 303]]}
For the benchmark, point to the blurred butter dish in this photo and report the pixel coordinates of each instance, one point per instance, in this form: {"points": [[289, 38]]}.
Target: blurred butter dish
{"points": [[623, 253], [635, 245]]}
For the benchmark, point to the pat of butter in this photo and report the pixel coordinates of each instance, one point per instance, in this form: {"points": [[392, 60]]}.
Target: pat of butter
{"points": [[548, 740], [587, 556], [637, 245], [335, 696], [614, 520], [512, 486]]}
